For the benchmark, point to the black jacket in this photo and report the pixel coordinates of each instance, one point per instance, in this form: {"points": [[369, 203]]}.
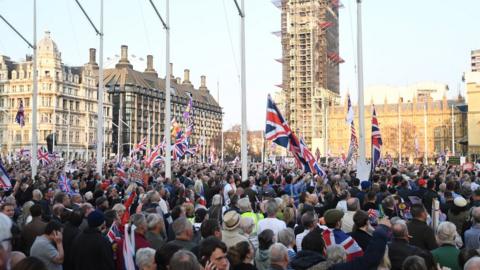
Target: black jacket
{"points": [[372, 256], [92, 251], [362, 238], [428, 198], [70, 232], [422, 235], [306, 259], [399, 250]]}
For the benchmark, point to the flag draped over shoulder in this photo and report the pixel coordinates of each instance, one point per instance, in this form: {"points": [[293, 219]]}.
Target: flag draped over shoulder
{"points": [[376, 140], [278, 131]]}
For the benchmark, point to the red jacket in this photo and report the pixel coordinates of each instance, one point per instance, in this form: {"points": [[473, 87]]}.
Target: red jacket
{"points": [[140, 242]]}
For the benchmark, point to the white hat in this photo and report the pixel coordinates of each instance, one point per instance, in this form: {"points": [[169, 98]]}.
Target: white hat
{"points": [[460, 201]]}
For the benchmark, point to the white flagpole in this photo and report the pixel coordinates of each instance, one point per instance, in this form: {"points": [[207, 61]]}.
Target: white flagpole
{"points": [[399, 134], [54, 120], [453, 131], [168, 153], [425, 131], [361, 104], [34, 161], [244, 151], [100, 127]]}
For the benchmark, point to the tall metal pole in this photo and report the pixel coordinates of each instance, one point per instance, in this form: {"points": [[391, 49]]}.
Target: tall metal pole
{"points": [[54, 120], [425, 131], [34, 161], [168, 153], [399, 134], [100, 129], [361, 104], [68, 135], [244, 151], [453, 132], [221, 128]]}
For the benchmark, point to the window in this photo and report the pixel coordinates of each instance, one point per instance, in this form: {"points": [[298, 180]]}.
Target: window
{"points": [[77, 136], [77, 105]]}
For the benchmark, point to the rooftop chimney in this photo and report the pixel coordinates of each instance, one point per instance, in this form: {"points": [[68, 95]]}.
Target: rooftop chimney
{"points": [[186, 76], [123, 62], [149, 64], [171, 72], [92, 56], [179, 80], [203, 83]]}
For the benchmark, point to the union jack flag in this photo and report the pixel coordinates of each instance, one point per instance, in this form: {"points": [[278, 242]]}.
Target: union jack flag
{"points": [[4, 178], [65, 185], [376, 140], [142, 145], [191, 150], [306, 160], [43, 156], [113, 234], [280, 133], [187, 115], [189, 130], [153, 157], [277, 129], [121, 171], [338, 237], [326, 24], [20, 118], [352, 149]]}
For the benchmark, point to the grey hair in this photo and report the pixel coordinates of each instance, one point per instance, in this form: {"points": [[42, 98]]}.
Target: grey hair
{"points": [[247, 224], [119, 207], [277, 253], [476, 214], [336, 254], [138, 219], [286, 236], [180, 225], [446, 233], [37, 194], [153, 220], [216, 200], [271, 207], [184, 260], [472, 264], [144, 257], [353, 204]]}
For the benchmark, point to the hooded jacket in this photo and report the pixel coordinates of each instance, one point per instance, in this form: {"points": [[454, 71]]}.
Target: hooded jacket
{"points": [[306, 259]]}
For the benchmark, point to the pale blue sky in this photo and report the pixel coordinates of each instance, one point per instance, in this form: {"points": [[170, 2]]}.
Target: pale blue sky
{"points": [[404, 41]]}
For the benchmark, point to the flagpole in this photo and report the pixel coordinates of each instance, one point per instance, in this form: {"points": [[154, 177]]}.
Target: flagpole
{"points": [[54, 120], [361, 104], [168, 153], [453, 132], [68, 135], [325, 129], [244, 151], [221, 127], [399, 135], [100, 126], [34, 161], [263, 151], [425, 135]]}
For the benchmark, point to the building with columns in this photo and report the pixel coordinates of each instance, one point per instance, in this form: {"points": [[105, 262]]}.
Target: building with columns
{"points": [[67, 103], [139, 105], [403, 125]]}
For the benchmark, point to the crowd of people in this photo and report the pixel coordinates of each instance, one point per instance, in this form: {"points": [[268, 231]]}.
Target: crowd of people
{"points": [[205, 217]]}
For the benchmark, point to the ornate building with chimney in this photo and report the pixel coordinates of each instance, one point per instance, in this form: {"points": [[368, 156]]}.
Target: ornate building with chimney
{"points": [[67, 103], [139, 105]]}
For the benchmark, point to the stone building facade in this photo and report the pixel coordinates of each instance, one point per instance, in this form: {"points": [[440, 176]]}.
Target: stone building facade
{"points": [[139, 102], [67, 103]]}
